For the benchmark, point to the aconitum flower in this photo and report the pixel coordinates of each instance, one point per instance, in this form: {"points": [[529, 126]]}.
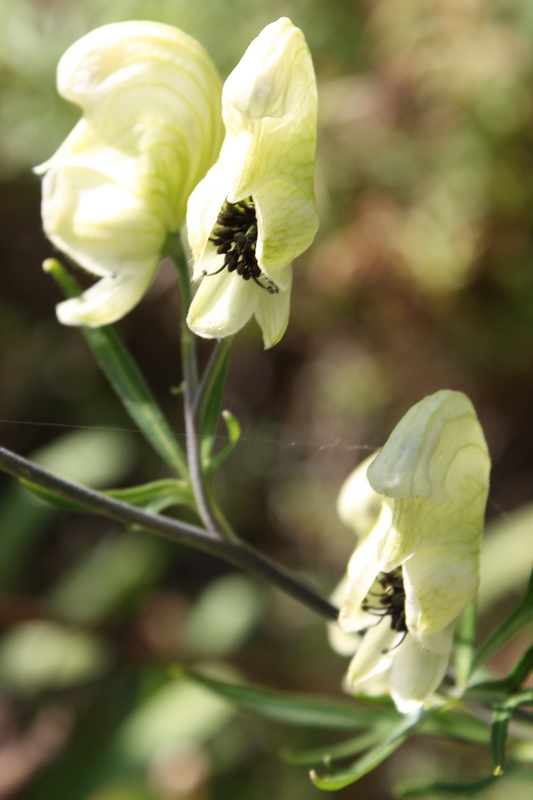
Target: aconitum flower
{"points": [[254, 212], [418, 569], [119, 184]]}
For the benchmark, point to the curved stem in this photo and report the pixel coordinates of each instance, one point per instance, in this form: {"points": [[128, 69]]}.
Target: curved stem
{"points": [[190, 385], [215, 364], [241, 555]]}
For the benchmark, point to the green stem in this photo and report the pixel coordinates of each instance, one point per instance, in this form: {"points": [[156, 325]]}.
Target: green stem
{"points": [[193, 398], [241, 555], [190, 385]]}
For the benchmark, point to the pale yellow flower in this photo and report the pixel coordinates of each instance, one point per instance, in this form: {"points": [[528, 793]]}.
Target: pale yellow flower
{"points": [[119, 184], [254, 212], [418, 569]]}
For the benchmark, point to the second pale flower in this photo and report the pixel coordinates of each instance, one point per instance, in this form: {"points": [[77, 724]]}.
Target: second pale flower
{"points": [[255, 211]]}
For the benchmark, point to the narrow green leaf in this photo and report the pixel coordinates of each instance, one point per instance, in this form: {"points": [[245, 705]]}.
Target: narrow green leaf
{"points": [[234, 433], [521, 616], [498, 739], [332, 781], [456, 725], [462, 790], [524, 698], [50, 498], [295, 709], [212, 395], [464, 650], [154, 496], [333, 752], [126, 379]]}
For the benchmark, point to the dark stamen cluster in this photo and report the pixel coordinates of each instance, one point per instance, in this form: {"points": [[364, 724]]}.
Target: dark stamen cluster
{"points": [[235, 235], [391, 600]]}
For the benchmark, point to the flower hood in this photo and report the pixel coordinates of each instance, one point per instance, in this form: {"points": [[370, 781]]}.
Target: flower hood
{"points": [[418, 569], [254, 212], [119, 184]]}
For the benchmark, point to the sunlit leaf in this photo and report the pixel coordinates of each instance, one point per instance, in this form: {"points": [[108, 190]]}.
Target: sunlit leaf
{"points": [[213, 395], [234, 433], [328, 753], [126, 379], [334, 780], [296, 709], [498, 739]]}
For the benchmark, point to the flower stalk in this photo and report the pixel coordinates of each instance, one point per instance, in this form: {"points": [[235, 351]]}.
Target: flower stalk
{"points": [[239, 555]]}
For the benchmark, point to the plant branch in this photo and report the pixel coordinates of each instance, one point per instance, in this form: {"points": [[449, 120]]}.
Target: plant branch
{"points": [[190, 383], [242, 556]]}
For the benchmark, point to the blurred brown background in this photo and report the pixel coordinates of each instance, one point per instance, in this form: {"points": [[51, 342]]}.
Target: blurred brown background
{"points": [[421, 278]]}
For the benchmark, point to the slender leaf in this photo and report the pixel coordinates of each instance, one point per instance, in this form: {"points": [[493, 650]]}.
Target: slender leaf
{"points": [[521, 616], [332, 781], [333, 752], [464, 651], [154, 496], [456, 725], [211, 394], [459, 789], [498, 739], [234, 433], [126, 379], [295, 709]]}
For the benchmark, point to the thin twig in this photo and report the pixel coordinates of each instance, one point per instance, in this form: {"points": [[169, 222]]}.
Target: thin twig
{"points": [[190, 386], [240, 555]]}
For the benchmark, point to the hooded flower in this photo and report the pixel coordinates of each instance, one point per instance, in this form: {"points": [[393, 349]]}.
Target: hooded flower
{"points": [[119, 184], [418, 568], [254, 212]]}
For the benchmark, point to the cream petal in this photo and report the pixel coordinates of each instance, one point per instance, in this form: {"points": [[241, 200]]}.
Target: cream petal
{"points": [[108, 300], [274, 80], [416, 673], [272, 314], [439, 584], [363, 569], [435, 465], [222, 305], [358, 505], [203, 208], [102, 226], [150, 90], [439, 642], [374, 656], [287, 223], [345, 644]]}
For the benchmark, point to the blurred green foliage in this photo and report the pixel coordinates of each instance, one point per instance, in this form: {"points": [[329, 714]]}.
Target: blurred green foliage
{"points": [[421, 278]]}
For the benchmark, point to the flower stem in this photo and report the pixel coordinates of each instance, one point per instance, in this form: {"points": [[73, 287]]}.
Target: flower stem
{"points": [[190, 387], [241, 555]]}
